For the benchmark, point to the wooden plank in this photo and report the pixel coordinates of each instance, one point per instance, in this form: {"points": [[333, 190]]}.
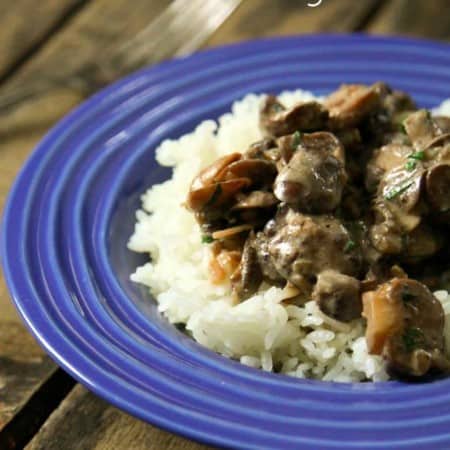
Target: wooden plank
{"points": [[19, 36], [83, 422], [100, 25], [29, 386], [25, 371], [23, 367], [419, 18], [262, 18]]}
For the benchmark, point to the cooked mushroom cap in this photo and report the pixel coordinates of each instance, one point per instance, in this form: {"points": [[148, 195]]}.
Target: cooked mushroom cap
{"points": [[249, 275], [385, 159], [421, 129], [214, 172], [338, 296], [262, 149], [255, 199], [215, 195], [312, 181], [276, 121], [350, 104], [315, 176], [443, 123], [259, 171], [405, 323], [438, 187]]}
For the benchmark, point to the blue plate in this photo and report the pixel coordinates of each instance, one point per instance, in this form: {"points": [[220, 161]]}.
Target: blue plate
{"points": [[71, 211]]}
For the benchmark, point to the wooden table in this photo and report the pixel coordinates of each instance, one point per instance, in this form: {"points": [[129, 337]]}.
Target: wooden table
{"points": [[41, 407]]}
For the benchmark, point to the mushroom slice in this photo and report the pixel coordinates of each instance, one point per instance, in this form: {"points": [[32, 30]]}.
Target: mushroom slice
{"points": [[255, 199], [351, 103], [249, 275], [384, 315], [260, 171], [438, 187], [276, 120], [405, 323], [402, 188], [421, 129], [232, 231], [215, 195], [337, 295], [397, 102], [263, 149], [318, 141], [324, 141], [384, 159], [312, 181], [214, 172], [439, 141], [443, 123], [315, 176]]}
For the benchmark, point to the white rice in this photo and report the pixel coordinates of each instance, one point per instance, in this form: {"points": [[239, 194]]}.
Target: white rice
{"points": [[260, 332]]}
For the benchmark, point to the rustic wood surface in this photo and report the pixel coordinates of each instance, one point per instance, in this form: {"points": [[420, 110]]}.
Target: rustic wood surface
{"points": [[103, 428], [20, 37], [427, 19], [64, 36]]}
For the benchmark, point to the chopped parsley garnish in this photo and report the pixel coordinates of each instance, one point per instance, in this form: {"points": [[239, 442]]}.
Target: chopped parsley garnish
{"points": [[402, 128], [349, 246], [215, 195], [410, 165], [420, 156], [207, 239], [296, 139], [412, 338], [397, 190]]}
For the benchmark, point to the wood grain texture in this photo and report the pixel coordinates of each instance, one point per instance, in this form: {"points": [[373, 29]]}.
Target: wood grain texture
{"points": [[419, 18], [23, 368], [26, 23], [263, 18], [102, 24], [84, 422]]}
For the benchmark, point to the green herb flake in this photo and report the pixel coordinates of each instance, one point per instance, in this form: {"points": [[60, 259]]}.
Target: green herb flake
{"points": [[410, 165], [420, 156], [402, 128], [207, 239], [349, 246], [398, 190], [215, 196], [296, 139], [412, 338]]}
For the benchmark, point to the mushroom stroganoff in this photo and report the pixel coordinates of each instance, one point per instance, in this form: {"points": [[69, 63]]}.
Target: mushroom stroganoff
{"points": [[342, 207]]}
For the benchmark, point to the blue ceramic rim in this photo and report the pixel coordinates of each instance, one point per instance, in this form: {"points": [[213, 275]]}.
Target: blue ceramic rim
{"points": [[104, 94]]}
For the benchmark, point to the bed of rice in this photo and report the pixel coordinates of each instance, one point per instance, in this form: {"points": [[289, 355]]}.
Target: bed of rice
{"points": [[260, 332]]}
